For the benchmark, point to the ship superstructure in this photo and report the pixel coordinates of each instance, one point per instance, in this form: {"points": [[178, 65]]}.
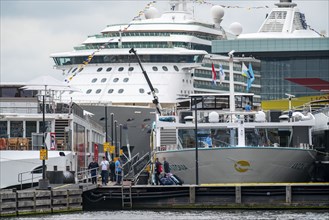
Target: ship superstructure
{"points": [[170, 46]]}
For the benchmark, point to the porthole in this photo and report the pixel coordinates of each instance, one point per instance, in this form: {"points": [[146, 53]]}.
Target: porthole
{"points": [[183, 80], [120, 69], [120, 91], [108, 69], [75, 69], [131, 69], [88, 91], [94, 80], [165, 68], [155, 68], [115, 79], [98, 91], [125, 80], [141, 90], [103, 80], [99, 69], [176, 68], [110, 91]]}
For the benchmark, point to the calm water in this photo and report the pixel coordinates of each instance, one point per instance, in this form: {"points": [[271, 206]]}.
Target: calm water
{"points": [[191, 215]]}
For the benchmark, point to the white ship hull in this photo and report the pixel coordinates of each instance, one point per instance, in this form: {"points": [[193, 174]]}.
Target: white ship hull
{"points": [[12, 163], [241, 164]]}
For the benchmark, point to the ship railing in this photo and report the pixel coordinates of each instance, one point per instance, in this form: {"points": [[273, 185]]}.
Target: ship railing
{"points": [[33, 175]]}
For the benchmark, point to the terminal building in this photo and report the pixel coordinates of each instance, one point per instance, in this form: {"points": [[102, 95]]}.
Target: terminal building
{"points": [[294, 58]]}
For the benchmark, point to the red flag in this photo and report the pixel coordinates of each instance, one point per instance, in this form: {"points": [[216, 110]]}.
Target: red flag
{"points": [[214, 78]]}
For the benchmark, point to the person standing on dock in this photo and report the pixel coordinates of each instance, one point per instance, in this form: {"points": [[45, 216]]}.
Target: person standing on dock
{"points": [[158, 171], [118, 171], [93, 167], [166, 167], [112, 171], [105, 173]]}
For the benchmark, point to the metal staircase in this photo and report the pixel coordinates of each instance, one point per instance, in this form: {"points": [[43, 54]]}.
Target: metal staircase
{"points": [[134, 167]]}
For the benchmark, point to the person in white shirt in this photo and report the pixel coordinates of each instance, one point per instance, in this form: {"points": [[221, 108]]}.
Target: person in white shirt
{"points": [[105, 171]]}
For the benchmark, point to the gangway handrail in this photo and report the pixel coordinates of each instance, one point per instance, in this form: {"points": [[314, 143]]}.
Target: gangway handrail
{"points": [[132, 171], [130, 162], [83, 175], [21, 180]]}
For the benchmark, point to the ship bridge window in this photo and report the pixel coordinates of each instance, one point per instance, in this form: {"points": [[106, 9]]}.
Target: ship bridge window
{"points": [[120, 69], [94, 80], [141, 90], [88, 91], [108, 69], [99, 69], [176, 68], [98, 91], [165, 68], [110, 91], [115, 79], [120, 91], [125, 79], [155, 68], [103, 80]]}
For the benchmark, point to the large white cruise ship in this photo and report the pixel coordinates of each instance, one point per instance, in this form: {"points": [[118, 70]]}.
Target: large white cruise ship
{"points": [[170, 47]]}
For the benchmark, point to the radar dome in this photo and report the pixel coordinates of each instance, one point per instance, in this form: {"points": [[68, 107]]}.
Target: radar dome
{"points": [[236, 28], [217, 13], [152, 13], [213, 117]]}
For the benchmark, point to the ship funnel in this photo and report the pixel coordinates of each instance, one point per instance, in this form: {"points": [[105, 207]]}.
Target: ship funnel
{"points": [[286, 4]]}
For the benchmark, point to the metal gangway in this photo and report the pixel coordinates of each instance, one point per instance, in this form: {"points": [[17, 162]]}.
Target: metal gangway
{"points": [[134, 167]]}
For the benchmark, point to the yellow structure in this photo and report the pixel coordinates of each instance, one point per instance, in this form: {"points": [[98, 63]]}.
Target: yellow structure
{"points": [[283, 104]]}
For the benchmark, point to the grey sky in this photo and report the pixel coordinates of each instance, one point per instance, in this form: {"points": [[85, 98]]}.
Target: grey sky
{"points": [[32, 30]]}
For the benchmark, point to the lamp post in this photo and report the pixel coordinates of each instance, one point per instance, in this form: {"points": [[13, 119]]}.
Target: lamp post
{"points": [[112, 130], [120, 136], [106, 132], [44, 183], [115, 139], [196, 142]]}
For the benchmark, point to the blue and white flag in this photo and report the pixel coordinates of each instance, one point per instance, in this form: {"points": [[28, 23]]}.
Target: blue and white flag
{"points": [[249, 73], [221, 74]]}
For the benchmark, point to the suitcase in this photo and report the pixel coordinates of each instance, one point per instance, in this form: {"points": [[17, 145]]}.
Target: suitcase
{"points": [[176, 179], [166, 181]]}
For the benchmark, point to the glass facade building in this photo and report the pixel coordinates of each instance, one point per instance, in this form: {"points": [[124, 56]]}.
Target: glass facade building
{"points": [[298, 66]]}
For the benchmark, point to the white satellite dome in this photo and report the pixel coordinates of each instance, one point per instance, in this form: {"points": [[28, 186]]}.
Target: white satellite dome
{"points": [[152, 12], [213, 117], [236, 28], [217, 13]]}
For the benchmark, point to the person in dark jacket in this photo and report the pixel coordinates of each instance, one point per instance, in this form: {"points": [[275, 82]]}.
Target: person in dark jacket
{"points": [[112, 171], [93, 167], [166, 166]]}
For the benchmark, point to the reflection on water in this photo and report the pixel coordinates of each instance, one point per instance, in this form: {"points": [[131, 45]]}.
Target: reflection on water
{"points": [[191, 214]]}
